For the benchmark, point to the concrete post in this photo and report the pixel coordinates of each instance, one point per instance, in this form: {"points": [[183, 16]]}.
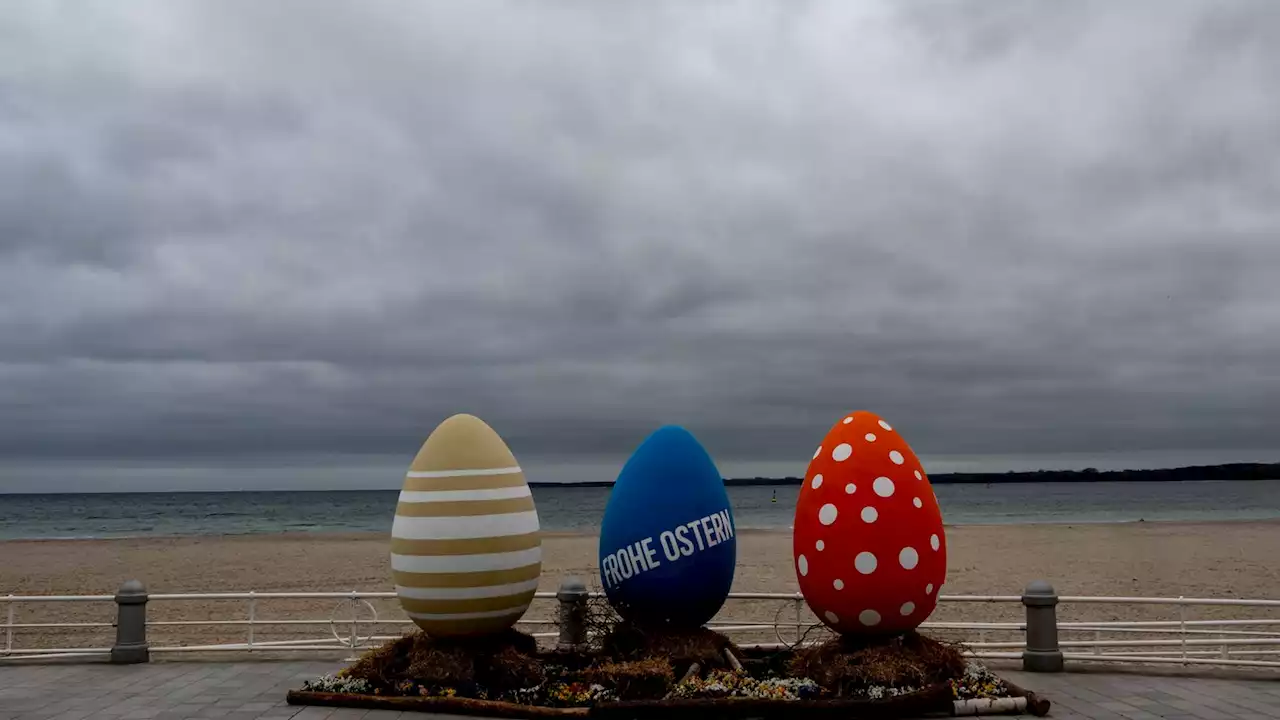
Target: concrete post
{"points": [[573, 614], [1042, 653], [131, 624]]}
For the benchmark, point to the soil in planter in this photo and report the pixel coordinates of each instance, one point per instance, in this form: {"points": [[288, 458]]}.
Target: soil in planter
{"points": [[856, 667], [637, 663], [679, 647], [632, 679], [499, 664]]}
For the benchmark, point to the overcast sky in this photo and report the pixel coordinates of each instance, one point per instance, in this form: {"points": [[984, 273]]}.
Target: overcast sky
{"points": [[257, 232]]}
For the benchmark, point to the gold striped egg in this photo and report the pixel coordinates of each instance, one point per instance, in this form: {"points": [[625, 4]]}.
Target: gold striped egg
{"points": [[465, 549]]}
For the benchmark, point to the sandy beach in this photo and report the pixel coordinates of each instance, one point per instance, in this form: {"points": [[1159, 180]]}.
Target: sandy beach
{"points": [[1132, 559]]}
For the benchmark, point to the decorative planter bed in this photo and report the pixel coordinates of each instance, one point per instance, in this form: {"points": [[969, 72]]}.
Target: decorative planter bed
{"points": [[934, 701], [756, 669]]}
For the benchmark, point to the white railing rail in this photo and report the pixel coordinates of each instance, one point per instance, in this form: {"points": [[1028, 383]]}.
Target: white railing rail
{"points": [[1248, 642]]}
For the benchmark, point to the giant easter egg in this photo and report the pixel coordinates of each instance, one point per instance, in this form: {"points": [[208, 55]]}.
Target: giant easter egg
{"points": [[465, 550], [869, 549], [667, 541]]}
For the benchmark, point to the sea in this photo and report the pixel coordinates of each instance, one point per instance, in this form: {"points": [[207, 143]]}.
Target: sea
{"points": [[579, 509]]}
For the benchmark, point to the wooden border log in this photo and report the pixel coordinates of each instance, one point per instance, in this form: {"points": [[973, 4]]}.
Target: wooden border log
{"points": [[733, 661], [989, 706], [442, 705], [936, 699], [693, 670], [1037, 705], [932, 700]]}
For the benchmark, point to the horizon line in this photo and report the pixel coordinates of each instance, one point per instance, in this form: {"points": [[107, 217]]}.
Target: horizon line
{"points": [[951, 478]]}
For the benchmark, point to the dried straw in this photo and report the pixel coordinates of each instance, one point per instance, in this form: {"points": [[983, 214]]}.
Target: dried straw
{"points": [[847, 665]]}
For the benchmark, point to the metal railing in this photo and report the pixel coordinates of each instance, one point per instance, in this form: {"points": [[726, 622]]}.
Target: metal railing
{"points": [[354, 625]]}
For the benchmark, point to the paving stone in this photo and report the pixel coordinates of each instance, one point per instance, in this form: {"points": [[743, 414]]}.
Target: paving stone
{"points": [[348, 714], [79, 714], [257, 690], [242, 715], [1140, 715]]}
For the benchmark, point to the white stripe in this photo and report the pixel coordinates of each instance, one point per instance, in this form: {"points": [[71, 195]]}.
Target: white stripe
{"points": [[466, 593], [464, 527], [463, 473], [505, 493], [519, 609], [466, 563]]}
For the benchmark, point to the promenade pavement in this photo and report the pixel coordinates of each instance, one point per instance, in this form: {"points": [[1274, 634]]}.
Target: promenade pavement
{"points": [[256, 691]]}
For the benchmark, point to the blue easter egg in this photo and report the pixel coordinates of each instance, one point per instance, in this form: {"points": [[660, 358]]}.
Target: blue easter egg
{"points": [[667, 541]]}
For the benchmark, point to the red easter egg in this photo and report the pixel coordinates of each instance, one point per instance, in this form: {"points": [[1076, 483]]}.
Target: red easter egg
{"points": [[870, 553]]}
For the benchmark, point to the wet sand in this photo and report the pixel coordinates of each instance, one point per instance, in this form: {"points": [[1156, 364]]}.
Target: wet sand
{"points": [[1230, 560]]}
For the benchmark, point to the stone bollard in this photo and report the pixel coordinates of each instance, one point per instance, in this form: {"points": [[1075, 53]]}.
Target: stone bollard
{"points": [[573, 614], [131, 624], [1042, 653]]}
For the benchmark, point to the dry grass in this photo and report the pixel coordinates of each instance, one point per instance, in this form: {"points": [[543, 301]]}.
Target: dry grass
{"points": [[499, 663], [634, 679], [638, 662], [680, 647], [846, 665], [601, 621]]}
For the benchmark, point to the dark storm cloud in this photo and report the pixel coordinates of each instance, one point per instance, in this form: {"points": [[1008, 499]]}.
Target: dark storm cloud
{"points": [[269, 229]]}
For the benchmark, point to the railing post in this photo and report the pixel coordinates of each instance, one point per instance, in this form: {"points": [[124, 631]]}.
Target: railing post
{"points": [[573, 614], [799, 601], [131, 624], [1042, 653], [8, 631], [253, 617], [355, 621], [1182, 627]]}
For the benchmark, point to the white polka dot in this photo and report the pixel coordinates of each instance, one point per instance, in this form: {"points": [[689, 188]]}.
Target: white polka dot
{"points": [[869, 618], [838, 584], [817, 481], [869, 514], [896, 457], [865, 563], [919, 476], [803, 564], [928, 589], [870, 437], [820, 545], [848, 420], [908, 558], [907, 608], [850, 489], [817, 452], [934, 542], [883, 486], [831, 617], [916, 502], [827, 514], [885, 425], [842, 452]]}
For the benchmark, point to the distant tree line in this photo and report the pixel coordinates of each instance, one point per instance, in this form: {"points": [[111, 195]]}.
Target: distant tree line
{"points": [[1236, 471]]}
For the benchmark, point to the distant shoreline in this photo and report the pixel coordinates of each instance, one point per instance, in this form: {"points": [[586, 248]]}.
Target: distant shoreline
{"points": [[327, 535], [1191, 473]]}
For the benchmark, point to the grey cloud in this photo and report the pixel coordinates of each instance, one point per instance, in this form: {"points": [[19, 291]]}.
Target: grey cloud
{"points": [[253, 231]]}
